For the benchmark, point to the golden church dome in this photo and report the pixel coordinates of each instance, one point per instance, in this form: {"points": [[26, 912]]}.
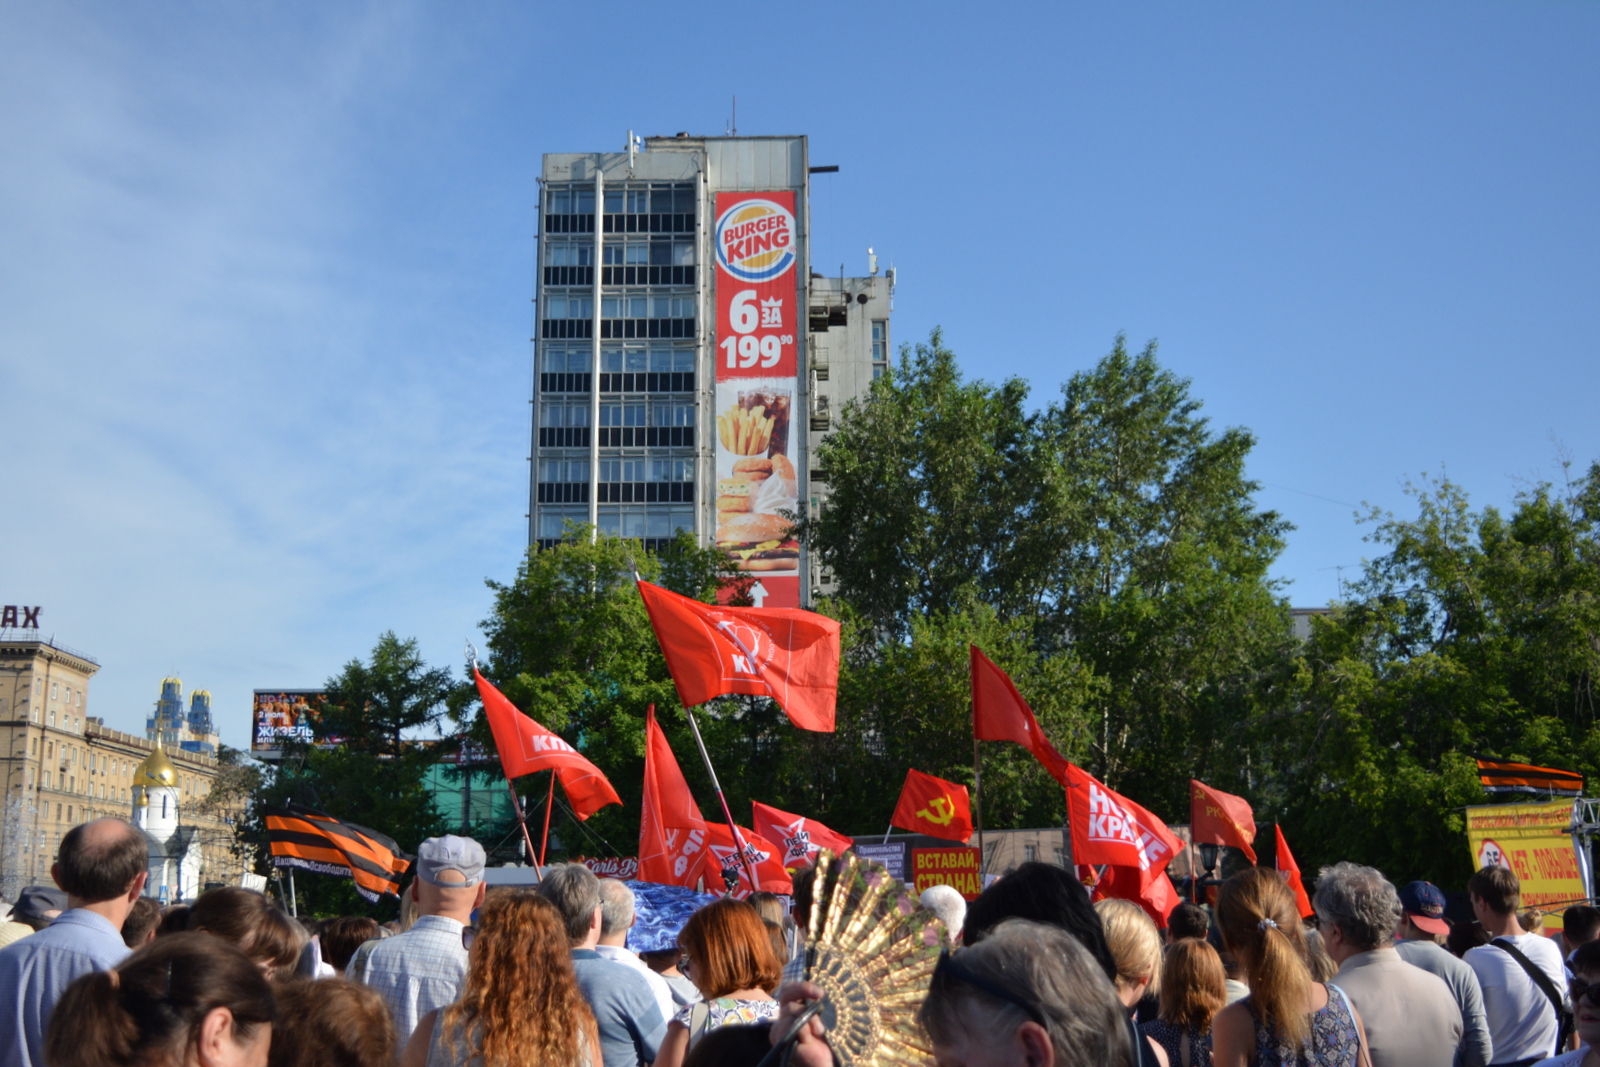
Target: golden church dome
{"points": [[156, 770]]}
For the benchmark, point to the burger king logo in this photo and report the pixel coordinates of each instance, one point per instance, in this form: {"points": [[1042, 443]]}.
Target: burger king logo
{"points": [[755, 240]]}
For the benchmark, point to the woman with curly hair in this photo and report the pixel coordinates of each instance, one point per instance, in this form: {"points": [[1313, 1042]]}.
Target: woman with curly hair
{"points": [[521, 1006]]}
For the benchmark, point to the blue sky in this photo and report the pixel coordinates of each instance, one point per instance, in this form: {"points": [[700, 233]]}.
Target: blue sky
{"points": [[265, 269]]}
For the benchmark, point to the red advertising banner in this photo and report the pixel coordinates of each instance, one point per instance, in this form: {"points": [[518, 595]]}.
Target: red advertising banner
{"points": [[759, 424], [956, 867]]}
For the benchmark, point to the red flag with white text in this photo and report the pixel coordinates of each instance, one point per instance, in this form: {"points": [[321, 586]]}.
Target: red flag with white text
{"points": [[1000, 714], [800, 838], [1289, 870], [525, 747], [1108, 828], [1156, 895], [672, 833], [1218, 818], [787, 654], [727, 869]]}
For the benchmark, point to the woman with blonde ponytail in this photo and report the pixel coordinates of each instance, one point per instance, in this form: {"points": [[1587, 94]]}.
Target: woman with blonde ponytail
{"points": [[1288, 1020], [186, 1000]]}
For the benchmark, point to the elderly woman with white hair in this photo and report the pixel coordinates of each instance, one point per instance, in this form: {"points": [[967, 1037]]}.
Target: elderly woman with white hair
{"points": [[949, 905]]}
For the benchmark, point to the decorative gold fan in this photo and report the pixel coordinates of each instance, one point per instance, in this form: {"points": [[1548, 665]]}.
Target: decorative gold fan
{"points": [[872, 949]]}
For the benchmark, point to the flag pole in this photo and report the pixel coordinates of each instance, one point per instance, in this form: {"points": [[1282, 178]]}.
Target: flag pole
{"points": [[549, 802], [733, 828], [977, 798], [516, 806]]}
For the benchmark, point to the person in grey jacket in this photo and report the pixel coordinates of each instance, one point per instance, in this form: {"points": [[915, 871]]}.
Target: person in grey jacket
{"points": [[1417, 941]]}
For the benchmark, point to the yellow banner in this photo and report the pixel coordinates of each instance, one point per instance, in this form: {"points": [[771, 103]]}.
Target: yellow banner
{"points": [[1535, 841]]}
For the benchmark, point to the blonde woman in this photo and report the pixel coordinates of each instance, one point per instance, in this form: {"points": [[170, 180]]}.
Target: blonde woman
{"points": [[1135, 945]]}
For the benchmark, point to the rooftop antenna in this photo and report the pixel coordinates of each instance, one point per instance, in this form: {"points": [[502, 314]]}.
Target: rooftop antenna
{"points": [[733, 121], [634, 143], [889, 276], [872, 263]]}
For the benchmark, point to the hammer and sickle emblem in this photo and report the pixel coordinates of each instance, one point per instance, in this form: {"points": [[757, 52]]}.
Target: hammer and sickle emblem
{"points": [[943, 812]]}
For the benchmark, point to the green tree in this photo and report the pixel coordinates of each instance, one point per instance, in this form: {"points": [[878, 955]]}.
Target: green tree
{"points": [[1114, 526], [1472, 634]]}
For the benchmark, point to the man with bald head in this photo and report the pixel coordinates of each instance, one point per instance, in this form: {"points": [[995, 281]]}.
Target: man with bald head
{"points": [[423, 969], [102, 867]]}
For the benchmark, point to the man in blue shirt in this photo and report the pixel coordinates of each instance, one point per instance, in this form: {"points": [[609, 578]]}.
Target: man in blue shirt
{"points": [[625, 1010], [102, 867]]}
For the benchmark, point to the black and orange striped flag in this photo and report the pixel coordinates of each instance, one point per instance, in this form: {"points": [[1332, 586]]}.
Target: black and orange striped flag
{"points": [[1499, 776], [314, 841]]}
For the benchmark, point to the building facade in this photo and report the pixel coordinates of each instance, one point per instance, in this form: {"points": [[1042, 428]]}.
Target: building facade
{"points": [[61, 766], [687, 360]]}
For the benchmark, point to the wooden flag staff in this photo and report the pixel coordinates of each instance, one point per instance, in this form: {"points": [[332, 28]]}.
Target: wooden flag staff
{"points": [[733, 827], [516, 801]]}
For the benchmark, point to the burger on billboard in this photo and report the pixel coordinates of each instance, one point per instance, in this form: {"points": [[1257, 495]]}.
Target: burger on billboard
{"points": [[758, 491]]}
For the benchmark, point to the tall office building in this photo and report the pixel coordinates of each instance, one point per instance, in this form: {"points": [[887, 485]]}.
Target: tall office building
{"points": [[688, 360]]}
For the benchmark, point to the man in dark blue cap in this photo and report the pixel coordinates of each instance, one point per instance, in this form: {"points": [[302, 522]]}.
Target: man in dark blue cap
{"points": [[1418, 940]]}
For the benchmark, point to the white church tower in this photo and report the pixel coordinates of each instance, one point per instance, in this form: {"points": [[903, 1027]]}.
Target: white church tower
{"points": [[174, 866]]}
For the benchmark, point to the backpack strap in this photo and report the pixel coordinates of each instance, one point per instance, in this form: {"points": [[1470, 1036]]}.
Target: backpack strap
{"points": [[1541, 980]]}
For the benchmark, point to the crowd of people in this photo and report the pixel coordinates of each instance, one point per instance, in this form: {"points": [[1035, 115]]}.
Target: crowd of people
{"points": [[95, 974]]}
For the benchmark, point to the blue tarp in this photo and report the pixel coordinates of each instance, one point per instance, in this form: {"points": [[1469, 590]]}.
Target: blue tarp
{"points": [[662, 910]]}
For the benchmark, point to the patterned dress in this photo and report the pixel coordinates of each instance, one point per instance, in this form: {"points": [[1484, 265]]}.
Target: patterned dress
{"points": [[1170, 1038], [700, 1019], [1334, 1041]]}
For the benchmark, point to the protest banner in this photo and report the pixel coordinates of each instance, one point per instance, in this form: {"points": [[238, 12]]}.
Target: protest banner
{"points": [[955, 867], [1535, 841]]}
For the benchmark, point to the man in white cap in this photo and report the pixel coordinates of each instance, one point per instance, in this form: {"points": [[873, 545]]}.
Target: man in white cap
{"points": [[423, 968]]}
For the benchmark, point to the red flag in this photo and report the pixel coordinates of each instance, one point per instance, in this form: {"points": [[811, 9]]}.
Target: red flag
{"points": [[935, 807], [1000, 714], [1218, 818], [1111, 829], [728, 868], [1157, 895], [672, 833], [1289, 870], [800, 838], [787, 654], [525, 747]]}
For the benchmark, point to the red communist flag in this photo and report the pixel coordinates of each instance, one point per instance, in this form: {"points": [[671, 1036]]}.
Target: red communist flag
{"points": [[800, 838], [1157, 895], [935, 807], [672, 833], [787, 654], [1218, 818], [1000, 714], [1290, 871], [727, 867], [1108, 828], [525, 747]]}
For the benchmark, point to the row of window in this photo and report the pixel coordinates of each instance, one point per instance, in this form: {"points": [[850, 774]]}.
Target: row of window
{"points": [[655, 252], [664, 412], [618, 383], [625, 521], [617, 492], [660, 360], [652, 223], [647, 469], [561, 306], [617, 329], [658, 197]]}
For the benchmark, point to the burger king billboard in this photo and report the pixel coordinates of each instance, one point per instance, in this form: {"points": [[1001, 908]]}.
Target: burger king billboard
{"points": [[758, 330]]}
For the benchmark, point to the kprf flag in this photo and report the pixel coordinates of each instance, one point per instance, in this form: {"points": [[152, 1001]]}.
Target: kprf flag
{"points": [[315, 841], [1000, 714], [1290, 872], [728, 866], [800, 838], [1218, 818], [525, 747], [1108, 828], [787, 654], [672, 832], [1156, 895], [935, 807]]}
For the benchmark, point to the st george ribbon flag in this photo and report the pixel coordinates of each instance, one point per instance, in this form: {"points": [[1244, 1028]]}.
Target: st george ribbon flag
{"points": [[935, 807], [1218, 818], [1000, 714], [315, 841], [787, 654], [672, 832], [1290, 871], [1500, 776], [800, 838], [525, 747], [1109, 829]]}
